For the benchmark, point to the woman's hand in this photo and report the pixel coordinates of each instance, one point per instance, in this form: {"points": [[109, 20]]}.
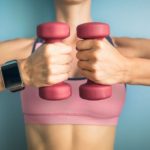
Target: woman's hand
{"points": [[48, 65], [100, 62]]}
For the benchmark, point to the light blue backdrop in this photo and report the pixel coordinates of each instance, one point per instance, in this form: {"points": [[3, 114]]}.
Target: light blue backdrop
{"points": [[18, 18]]}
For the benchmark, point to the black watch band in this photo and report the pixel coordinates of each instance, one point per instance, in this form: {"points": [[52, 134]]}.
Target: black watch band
{"points": [[11, 76]]}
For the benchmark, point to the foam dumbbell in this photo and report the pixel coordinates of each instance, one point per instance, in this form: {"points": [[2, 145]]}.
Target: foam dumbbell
{"points": [[54, 32], [91, 90]]}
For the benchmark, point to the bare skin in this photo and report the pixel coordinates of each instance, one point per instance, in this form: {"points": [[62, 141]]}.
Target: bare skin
{"points": [[75, 137], [65, 137], [71, 137]]}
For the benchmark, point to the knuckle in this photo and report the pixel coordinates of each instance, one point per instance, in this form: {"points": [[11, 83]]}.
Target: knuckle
{"points": [[49, 70], [66, 69], [69, 58], [69, 67], [97, 43], [78, 55], [49, 80], [59, 44], [94, 66], [79, 63], [66, 76], [96, 76], [95, 55], [47, 61], [47, 49], [50, 61], [78, 44]]}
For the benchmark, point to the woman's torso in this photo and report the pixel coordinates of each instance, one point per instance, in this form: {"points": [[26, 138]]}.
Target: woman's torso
{"points": [[69, 136]]}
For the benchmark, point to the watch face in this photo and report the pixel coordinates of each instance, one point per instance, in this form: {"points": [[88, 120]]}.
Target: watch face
{"points": [[11, 75]]}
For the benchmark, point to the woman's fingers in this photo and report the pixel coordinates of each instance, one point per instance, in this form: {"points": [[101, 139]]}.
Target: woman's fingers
{"points": [[54, 79], [87, 44], [58, 69], [88, 55], [83, 55], [56, 49], [47, 61], [61, 59], [88, 65], [105, 64]]}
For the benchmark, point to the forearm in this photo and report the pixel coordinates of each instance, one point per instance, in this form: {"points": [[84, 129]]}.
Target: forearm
{"points": [[15, 49], [138, 71], [133, 47]]}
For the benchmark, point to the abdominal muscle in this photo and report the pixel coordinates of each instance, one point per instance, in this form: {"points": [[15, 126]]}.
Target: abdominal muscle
{"points": [[70, 137]]}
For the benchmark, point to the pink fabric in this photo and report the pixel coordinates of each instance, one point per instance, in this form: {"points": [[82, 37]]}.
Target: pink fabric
{"points": [[73, 110]]}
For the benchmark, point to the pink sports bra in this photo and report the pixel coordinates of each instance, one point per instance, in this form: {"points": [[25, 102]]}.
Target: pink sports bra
{"points": [[73, 110]]}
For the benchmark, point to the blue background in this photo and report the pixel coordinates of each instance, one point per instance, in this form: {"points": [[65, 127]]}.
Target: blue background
{"points": [[18, 18]]}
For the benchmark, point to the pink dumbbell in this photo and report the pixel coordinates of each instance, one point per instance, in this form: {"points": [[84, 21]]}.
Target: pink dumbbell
{"points": [[54, 32], [91, 90]]}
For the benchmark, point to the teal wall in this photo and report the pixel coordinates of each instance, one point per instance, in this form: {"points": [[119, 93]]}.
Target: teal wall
{"points": [[18, 18]]}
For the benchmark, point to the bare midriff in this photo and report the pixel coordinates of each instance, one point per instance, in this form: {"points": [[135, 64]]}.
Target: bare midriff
{"points": [[70, 137]]}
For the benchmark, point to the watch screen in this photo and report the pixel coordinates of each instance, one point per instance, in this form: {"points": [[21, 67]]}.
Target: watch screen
{"points": [[11, 75]]}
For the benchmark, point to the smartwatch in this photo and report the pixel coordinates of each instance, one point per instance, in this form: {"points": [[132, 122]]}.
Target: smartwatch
{"points": [[11, 76]]}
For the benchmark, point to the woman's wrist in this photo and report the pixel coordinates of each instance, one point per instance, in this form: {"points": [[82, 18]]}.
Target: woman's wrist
{"points": [[126, 73], [23, 71]]}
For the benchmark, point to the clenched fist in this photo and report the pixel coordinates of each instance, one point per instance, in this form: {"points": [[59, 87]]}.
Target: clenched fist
{"points": [[48, 65], [100, 62]]}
